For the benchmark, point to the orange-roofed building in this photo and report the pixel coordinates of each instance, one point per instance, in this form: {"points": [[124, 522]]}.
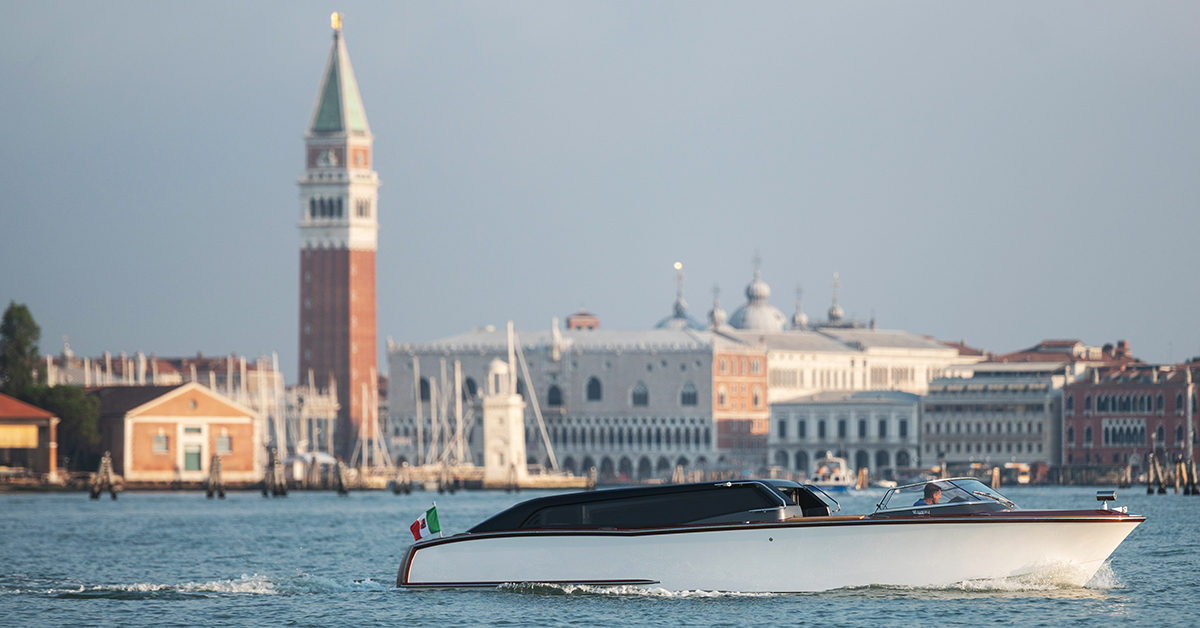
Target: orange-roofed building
{"points": [[28, 438]]}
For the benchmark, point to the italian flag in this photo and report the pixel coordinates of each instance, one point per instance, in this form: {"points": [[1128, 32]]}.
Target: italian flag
{"points": [[426, 525]]}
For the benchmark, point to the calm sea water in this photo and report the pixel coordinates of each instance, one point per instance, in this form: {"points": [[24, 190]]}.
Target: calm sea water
{"points": [[313, 559]]}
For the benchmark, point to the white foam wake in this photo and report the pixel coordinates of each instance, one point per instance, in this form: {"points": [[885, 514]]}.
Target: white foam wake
{"points": [[301, 584], [1045, 577]]}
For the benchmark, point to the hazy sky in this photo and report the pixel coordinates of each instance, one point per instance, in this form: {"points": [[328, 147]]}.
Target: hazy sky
{"points": [[1000, 172]]}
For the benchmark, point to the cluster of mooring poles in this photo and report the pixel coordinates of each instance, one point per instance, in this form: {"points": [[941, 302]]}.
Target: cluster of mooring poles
{"points": [[274, 485], [104, 479], [402, 482], [1180, 473]]}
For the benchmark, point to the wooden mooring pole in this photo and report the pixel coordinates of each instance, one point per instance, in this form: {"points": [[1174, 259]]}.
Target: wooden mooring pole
{"points": [[216, 483], [339, 480], [1193, 486], [103, 479]]}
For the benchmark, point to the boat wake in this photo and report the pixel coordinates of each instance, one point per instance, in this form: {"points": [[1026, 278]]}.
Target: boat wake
{"points": [[1050, 577], [302, 584]]}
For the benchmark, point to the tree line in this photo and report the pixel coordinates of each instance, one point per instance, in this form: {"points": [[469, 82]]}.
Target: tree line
{"points": [[22, 376]]}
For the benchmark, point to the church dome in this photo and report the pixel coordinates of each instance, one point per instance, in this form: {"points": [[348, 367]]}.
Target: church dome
{"points": [[757, 314], [679, 318], [800, 320]]}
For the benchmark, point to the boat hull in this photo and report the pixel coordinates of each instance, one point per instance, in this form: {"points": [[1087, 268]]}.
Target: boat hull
{"points": [[791, 556]]}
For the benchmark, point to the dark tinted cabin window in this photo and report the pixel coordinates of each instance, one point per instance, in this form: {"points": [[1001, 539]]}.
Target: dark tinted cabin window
{"points": [[652, 510]]}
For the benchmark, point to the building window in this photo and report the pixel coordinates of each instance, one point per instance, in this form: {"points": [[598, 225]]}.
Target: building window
{"points": [[1070, 403], [1070, 436], [191, 458], [1087, 436], [689, 396], [783, 429], [755, 367], [841, 424], [802, 429], [903, 429], [882, 430], [821, 429], [1087, 403], [594, 392], [641, 395], [191, 430], [224, 444], [722, 398], [724, 366], [862, 428], [161, 444], [425, 389], [757, 397], [554, 396]]}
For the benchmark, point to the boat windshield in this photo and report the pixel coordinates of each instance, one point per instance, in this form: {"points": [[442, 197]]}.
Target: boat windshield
{"points": [[954, 491]]}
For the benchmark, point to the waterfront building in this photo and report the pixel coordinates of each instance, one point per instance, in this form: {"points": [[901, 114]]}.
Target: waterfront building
{"points": [[1117, 415], [876, 430], [160, 435], [1008, 409], [837, 354], [994, 413], [338, 239], [28, 438], [633, 404], [718, 382]]}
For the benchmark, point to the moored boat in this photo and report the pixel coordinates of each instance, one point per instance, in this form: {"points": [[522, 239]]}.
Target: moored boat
{"points": [[832, 474], [766, 535]]}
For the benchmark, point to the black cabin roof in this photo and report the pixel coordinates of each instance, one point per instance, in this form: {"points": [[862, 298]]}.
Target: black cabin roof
{"points": [[633, 507]]}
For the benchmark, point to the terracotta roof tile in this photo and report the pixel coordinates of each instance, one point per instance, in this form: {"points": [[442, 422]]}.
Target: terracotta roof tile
{"points": [[12, 408]]}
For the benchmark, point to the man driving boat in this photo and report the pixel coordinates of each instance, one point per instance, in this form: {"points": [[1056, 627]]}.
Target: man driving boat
{"points": [[933, 493]]}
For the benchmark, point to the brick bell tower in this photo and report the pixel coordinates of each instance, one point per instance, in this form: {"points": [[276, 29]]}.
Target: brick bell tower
{"points": [[338, 229]]}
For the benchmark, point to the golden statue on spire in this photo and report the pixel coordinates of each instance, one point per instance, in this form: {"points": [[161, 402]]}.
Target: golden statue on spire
{"points": [[336, 21]]}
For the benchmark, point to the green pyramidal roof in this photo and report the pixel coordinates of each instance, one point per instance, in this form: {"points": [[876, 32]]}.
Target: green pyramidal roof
{"points": [[339, 107]]}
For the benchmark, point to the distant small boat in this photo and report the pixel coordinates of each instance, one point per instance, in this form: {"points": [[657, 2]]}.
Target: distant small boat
{"points": [[832, 474], [766, 535]]}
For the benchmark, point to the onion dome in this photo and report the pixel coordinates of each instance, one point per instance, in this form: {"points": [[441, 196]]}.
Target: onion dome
{"points": [[799, 319], [835, 310], [757, 314]]}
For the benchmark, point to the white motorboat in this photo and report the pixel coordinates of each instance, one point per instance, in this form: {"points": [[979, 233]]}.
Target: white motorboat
{"points": [[766, 535], [832, 474]]}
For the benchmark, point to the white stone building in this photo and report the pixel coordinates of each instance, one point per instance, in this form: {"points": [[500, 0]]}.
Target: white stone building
{"points": [[872, 429], [633, 404]]}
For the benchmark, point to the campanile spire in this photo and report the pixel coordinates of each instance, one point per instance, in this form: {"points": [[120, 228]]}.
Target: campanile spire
{"points": [[338, 238]]}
